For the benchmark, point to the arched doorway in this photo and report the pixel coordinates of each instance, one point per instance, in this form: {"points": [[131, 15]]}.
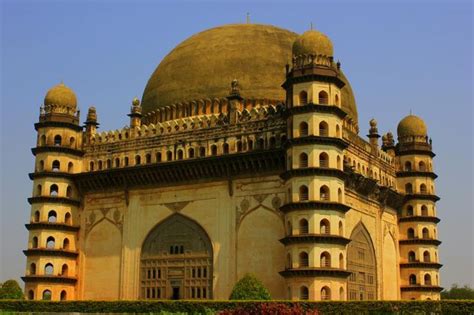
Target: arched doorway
{"points": [[361, 263], [176, 261]]}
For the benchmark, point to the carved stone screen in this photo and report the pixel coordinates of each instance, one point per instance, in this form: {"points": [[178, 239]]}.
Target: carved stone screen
{"points": [[361, 263], [176, 261]]}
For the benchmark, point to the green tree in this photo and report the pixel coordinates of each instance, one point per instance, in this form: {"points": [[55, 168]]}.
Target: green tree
{"points": [[10, 289], [249, 288], [458, 293]]}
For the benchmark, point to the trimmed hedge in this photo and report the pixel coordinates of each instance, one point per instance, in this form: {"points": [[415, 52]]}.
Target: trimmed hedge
{"points": [[450, 307]]}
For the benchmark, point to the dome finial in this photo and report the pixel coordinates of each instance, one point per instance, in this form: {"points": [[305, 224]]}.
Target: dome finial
{"points": [[311, 26], [248, 18]]}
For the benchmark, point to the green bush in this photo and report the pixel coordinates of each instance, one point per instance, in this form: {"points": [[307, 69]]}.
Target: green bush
{"points": [[249, 288], [10, 289]]}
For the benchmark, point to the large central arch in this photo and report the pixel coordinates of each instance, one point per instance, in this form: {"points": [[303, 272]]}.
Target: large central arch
{"points": [[362, 283], [176, 261]]}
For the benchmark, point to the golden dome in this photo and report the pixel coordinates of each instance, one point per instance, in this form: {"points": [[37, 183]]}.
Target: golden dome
{"points": [[61, 95], [204, 65], [313, 43], [411, 125]]}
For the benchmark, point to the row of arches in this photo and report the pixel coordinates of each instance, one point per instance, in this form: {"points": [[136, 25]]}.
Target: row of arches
{"points": [[323, 130], [48, 270], [54, 191], [324, 193], [51, 243], [426, 257], [324, 260], [57, 141], [323, 160], [56, 166], [412, 280], [52, 217], [325, 293], [425, 233], [422, 189], [410, 211], [323, 98], [421, 167], [189, 153], [47, 295], [366, 171], [324, 227]]}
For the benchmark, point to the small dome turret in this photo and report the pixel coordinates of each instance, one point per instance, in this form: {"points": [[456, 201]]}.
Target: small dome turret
{"points": [[411, 126], [312, 43], [61, 95]]}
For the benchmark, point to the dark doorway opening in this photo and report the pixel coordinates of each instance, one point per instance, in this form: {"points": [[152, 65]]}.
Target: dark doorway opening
{"points": [[175, 293]]}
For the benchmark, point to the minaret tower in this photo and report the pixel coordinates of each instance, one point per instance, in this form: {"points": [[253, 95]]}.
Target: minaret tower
{"points": [[314, 210], [419, 262], [53, 228]]}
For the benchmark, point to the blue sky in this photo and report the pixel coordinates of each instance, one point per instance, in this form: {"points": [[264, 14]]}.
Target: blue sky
{"points": [[399, 56]]}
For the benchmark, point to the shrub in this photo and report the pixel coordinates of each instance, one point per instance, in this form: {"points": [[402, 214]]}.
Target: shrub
{"points": [[249, 288]]}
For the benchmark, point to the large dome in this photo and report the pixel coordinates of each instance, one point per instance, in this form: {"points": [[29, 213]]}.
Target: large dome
{"points": [[204, 65]]}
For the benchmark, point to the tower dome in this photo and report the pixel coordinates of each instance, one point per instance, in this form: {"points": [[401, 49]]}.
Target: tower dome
{"points": [[312, 43], [411, 125], [61, 95]]}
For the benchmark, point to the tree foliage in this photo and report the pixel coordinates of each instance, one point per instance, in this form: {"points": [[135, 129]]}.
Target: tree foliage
{"points": [[249, 288], [10, 289], [458, 293]]}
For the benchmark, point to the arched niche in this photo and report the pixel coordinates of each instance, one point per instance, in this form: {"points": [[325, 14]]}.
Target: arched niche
{"points": [[390, 269], [176, 261], [361, 262]]}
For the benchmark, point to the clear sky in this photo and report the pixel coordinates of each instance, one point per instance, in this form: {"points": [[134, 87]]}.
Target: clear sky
{"points": [[399, 56]]}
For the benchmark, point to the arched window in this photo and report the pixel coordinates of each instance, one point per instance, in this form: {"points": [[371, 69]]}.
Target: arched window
{"points": [[63, 296], [303, 160], [202, 151], [70, 167], [409, 211], [31, 295], [148, 158], [169, 156], [303, 129], [213, 150], [342, 295], [423, 189], [125, 161], [99, 164], [36, 217], [42, 140], [66, 244], [39, 190], [324, 227], [341, 261], [261, 144], [339, 195], [412, 279], [336, 99], [338, 131], [304, 229], [55, 166], [422, 166], [48, 269], [323, 98], [64, 270], [158, 157], [426, 256], [41, 166], [226, 148], [324, 193], [116, 162], [323, 160], [69, 192], [289, 263], [341, 229], [427, 279], [108, 164], [425, 233], [290, 228], [53, 190], [272, 143], [408, 188], [411, 256], [323, 129], [33, 269], [138, 160], [52, 216], [239, 146], [72, 141], [91, 166], [191, 153], [50, 242], [180, 154], [250, 145], [57, 140], [325, 260], [325, 294], [338, 162], [34, 242], [410, 233], [303, 97], [407, 166], [424, 210], [67, 218], [304, 260], [304, 194], [304, 293], [47, 295]]}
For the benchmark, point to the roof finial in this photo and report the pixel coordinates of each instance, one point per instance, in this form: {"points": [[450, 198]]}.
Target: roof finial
{"points": [[248, 18], [410, 112], [311, 26]]}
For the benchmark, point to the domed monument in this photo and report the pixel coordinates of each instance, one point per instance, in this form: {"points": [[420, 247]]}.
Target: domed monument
{"points": [[242, 156]]}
